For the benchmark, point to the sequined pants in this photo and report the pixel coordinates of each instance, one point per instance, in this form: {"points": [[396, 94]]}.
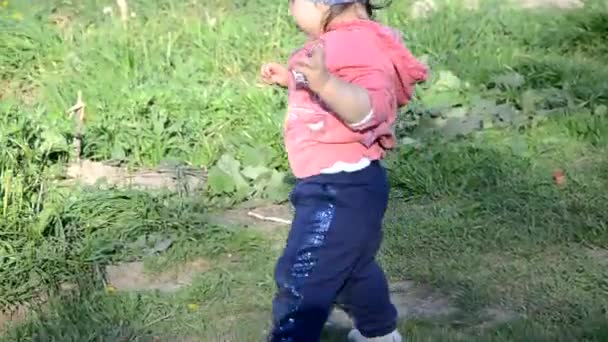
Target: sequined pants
{"points": [[330, 257]]}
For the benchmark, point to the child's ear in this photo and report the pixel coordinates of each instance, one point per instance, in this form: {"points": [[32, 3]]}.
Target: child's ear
{"points": [[322, 7], [361, 10]]}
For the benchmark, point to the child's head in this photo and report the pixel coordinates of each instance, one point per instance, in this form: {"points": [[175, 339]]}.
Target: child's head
{"points": [[314, 16]]}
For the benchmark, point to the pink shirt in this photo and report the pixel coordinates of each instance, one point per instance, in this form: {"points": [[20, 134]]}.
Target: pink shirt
{"points": [[372, 56]]}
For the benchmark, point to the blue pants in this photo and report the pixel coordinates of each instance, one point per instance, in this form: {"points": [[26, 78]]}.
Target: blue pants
{"points": [[330, 257]]}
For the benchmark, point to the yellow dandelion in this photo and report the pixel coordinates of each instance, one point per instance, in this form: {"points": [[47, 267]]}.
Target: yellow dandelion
{"points": [[110, 289], [17, 16], [193, 307]]}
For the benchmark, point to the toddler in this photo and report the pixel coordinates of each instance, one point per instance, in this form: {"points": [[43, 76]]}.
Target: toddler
{"points": [[345, 86]]}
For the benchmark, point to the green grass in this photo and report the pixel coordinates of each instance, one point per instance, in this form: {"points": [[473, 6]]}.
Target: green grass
{"points": [[475, 214]]}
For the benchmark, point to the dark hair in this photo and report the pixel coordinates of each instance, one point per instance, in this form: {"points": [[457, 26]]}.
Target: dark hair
{"points": [[370, 7]]}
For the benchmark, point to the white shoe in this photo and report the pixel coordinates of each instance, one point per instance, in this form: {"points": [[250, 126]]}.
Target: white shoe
{"points": [[355, 336]]}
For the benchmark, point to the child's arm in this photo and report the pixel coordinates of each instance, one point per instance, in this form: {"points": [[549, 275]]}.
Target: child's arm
{"points": [[353, 103], [349, 101]]}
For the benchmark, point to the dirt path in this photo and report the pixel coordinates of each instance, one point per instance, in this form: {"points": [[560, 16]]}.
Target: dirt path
{"points": [[413, 300], [561, 4], [424, 8]]}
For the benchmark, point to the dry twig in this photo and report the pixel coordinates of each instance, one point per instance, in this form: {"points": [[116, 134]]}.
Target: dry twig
{"points": [[77, 111], [124, 10], [269, 218]]}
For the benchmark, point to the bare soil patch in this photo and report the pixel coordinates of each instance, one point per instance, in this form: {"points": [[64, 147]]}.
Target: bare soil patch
{"points": [[424, 8], [26, 93], [262, 217], [599, 255], [17, 314], [413, 301], [560, 4], [98, 173], [132, 276], [14, 315], [419, 301]]}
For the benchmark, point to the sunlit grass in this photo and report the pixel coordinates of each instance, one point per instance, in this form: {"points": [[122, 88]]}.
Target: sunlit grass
{"points": [[479, 217]]}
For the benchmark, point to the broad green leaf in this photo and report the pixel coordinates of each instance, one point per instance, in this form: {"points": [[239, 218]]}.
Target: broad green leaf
{"points": [[256, 156], [53, 142], [228, 164], [160, 245], [519, 146], [426, 122], [459, 112], [442, 99], [509, 80], [118, 152], [277, 190], [242, 186], [506, 114], [254, 172], [220, 182], [407, 141], [456, 127], [242, 193], [447, 81], [426, 127], [529, 99], [483, 107], [444, 93], [231, 167], [44, 219]]}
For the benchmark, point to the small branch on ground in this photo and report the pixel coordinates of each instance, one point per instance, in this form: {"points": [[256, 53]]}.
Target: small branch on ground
{"points": [[77, 111], [158, 320], [269, 218], [124, 10]]}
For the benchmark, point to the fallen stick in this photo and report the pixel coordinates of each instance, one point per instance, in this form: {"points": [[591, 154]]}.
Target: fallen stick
{"points": [[269, 218], [77, 111], [123, 7]]}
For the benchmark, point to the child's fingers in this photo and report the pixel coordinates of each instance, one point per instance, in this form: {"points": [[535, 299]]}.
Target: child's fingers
{"points": [[266, 78], [266, 70], [275, 79]]}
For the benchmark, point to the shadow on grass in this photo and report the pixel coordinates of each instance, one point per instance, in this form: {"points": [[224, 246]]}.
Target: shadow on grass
{"points": [[488, 224], [492, 185], [522, 330], [584, 30]]}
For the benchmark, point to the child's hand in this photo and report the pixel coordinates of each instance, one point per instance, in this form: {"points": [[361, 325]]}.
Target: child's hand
{"points": [[314, 69], [273, 73]]}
